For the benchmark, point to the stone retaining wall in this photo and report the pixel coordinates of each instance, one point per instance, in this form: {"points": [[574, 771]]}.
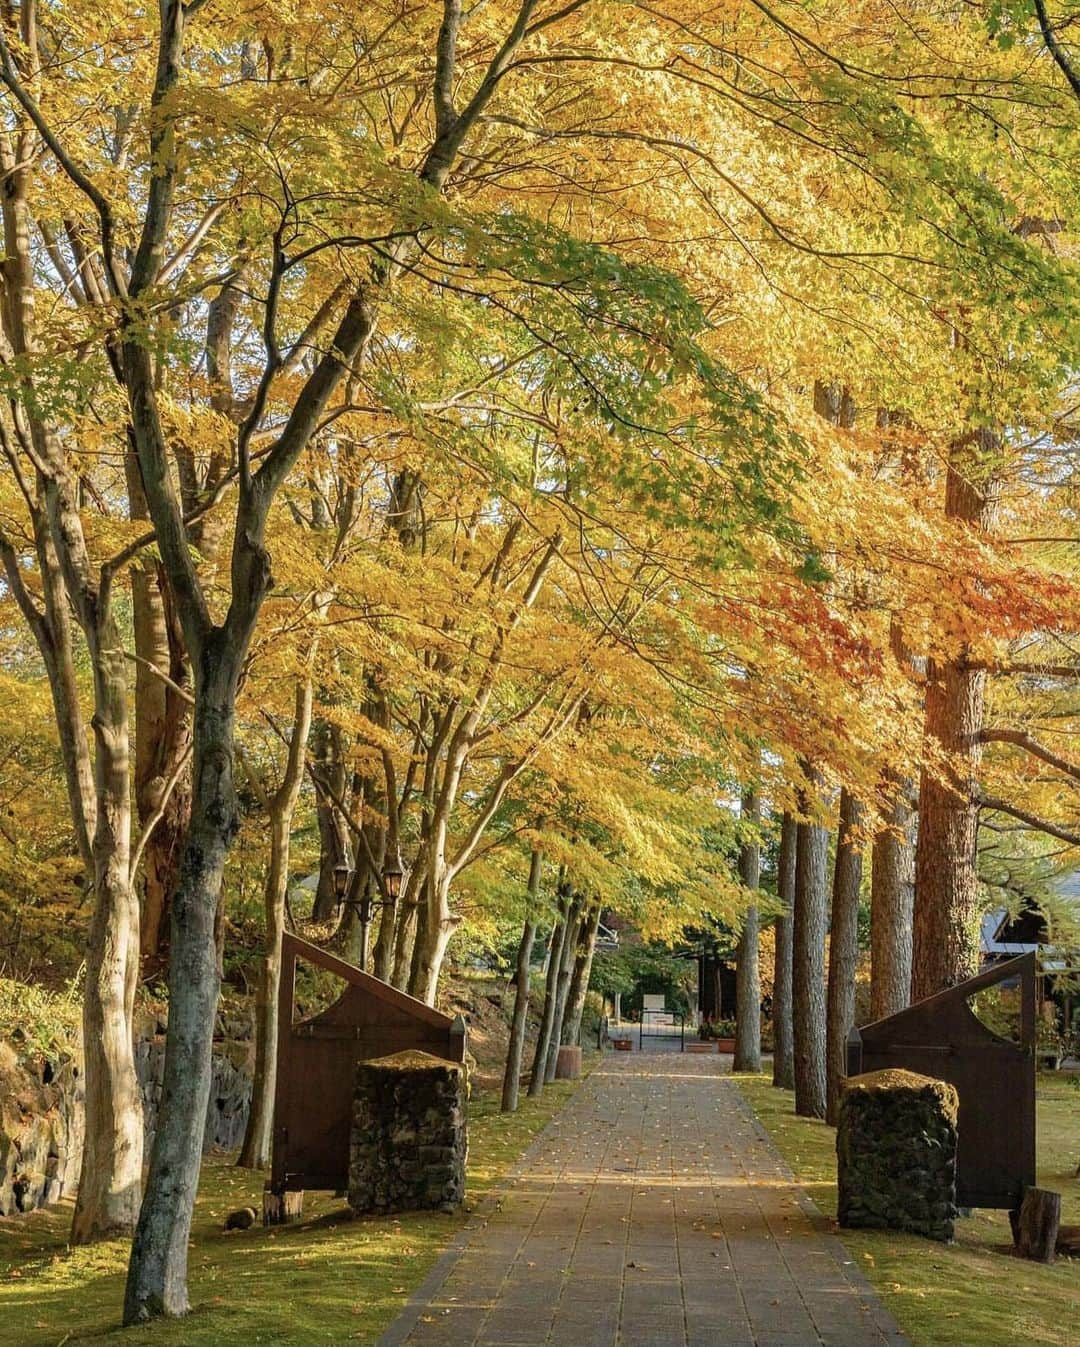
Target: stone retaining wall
{"points": [[41, 1114]]}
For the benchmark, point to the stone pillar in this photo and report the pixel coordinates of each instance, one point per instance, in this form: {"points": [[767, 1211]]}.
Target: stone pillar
{"points": [[408, 1143], [896, 1153]]}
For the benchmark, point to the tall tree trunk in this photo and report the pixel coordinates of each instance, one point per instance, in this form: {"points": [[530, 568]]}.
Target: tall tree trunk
{"points": [[843, 946], [579, 980], [808, 962], [892, 897], [892, 878], [404, 938], [562, 985], [783, 1050], [747, 973], [382, 963], [111, 1169], [559, 936], [255, 1151], [516, 1045], [110, 1178], [157, 1272], [328, 770], [162, 733], [434, 932], [945, 944]]}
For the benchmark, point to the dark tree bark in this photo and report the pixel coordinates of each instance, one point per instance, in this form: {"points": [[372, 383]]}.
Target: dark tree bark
{"points": [[892, 897], [559, 937], [157, 1275], [783, 1048], [747, 972], [843, 946], [157, 1272], [579, 979], [328, 772], [516, 1045], [945, 944], [808, 962], [562, 985]]}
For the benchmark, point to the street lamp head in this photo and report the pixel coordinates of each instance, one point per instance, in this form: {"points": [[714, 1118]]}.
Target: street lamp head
{"points": [[342, 876], [393, 872]]}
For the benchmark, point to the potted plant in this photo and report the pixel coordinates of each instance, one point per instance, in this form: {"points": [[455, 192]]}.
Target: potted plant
{"points": [[720, 1031], [1050, 1045]]}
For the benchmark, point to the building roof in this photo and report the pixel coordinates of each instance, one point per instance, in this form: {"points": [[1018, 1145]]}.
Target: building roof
{"points": [[992, 947]]}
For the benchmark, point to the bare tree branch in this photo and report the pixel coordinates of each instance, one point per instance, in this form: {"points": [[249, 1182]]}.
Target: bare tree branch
{"points": [[1023, 740], [1032, 820]]}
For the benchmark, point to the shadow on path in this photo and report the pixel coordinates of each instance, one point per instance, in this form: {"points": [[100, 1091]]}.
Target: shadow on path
{"points": [[654, 1211]]}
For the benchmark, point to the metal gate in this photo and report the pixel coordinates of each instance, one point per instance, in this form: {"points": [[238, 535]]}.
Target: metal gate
{"points": [[995, 1078], [668, 1026], [317, 1057]]}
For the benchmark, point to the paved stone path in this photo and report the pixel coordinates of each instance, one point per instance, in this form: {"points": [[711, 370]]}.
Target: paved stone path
{"points": [[652, 1212]]}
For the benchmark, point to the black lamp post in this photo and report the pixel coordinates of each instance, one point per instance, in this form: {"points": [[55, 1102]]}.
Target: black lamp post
{"points": [[342, 877], [392, 875]]}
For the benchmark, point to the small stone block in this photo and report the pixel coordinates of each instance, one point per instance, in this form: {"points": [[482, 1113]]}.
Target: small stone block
{"points": [[408, 1143], [896, 1153]]}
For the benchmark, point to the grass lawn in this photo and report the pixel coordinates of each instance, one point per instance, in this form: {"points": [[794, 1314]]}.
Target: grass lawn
{"points": [[330, 1279], [971, 1293]]}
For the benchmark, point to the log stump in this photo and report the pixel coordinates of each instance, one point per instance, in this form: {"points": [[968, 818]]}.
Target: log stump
{"points": [[568, 1063], [896, 1153], [1036, 1225], [283, 1208]]}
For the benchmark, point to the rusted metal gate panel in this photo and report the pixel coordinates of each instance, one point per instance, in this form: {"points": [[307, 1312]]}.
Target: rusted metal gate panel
{"points": [[995, 1079], [317, 1060]]}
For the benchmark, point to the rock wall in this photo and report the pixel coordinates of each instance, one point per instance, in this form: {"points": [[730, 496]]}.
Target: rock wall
{"points": [[41, 1130], [409, 1141], [896, 1153], [41, 1113]]}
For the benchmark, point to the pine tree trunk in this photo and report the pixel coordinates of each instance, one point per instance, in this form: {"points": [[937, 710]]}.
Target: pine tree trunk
{"points": [[516, 1045], [157, 1273], [892, 896], [808, 964], [747, 974], [945, 943], [547, 1017], [783, 1052], [843, 946], [579, 979]]}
